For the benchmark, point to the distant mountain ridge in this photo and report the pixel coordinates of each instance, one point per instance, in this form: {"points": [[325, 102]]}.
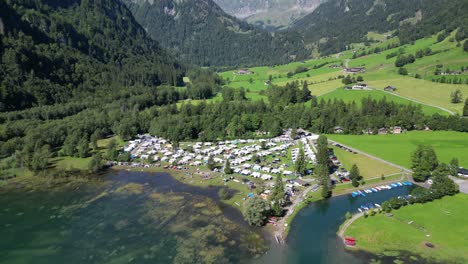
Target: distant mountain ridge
{"points": [[338, 23], [269, 13], [201, 33]]}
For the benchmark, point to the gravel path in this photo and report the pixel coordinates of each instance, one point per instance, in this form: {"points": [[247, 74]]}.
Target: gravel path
{"points": [[403, 169], [373, 157], [348, 223]]}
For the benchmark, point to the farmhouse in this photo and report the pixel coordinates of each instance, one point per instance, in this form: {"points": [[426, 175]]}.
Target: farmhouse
{"points": [[244, 72], [360, 86], [338, 130], [397, 130], [390, 89], [354, 70], [383, 131]]}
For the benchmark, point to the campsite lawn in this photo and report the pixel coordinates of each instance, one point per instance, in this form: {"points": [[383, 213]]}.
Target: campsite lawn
{"points": [[398, 148], [369, 168], [349, 96], [410, 228]]}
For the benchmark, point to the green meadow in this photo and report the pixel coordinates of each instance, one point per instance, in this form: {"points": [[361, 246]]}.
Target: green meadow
{"points": [[380, 72], [398, 148], [349, 96], [368, 168], [380, 234]]}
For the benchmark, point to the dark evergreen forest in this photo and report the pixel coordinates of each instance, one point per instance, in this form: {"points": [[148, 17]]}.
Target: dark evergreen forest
{"points": [[342, 22], [201, 33]]}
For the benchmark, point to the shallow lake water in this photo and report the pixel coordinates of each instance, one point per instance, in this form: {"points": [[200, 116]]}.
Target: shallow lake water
{"points": [[131, 218], [136, 217]]}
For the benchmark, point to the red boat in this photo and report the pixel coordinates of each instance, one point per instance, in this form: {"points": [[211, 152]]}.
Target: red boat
{"points": [[350, 241]]}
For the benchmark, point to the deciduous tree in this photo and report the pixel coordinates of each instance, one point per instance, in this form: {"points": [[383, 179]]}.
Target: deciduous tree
{"points": [[256, 211]]}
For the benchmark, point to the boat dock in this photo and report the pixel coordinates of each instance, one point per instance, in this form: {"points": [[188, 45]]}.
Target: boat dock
{"points": [[365, 192]]}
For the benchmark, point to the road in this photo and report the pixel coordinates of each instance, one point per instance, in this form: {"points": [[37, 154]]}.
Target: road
{"points": [[403, 169], [462, 184], [418, 102], [373, 157]]}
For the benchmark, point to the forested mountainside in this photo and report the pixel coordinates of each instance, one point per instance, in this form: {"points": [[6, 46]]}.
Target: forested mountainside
{"points": [[56, 51], [271, 14], [201, 33], [337, 23]]}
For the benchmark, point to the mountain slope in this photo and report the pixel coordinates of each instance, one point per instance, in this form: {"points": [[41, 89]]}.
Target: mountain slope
{"points": [[200, 32], [270, 14], [53, 50], [337, 23]]}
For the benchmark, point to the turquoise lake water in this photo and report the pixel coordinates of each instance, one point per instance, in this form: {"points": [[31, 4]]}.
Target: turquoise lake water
{"points": [[136, 217]]}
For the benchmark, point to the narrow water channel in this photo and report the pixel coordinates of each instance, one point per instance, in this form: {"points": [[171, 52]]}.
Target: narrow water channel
{"points": [[313, 239]]}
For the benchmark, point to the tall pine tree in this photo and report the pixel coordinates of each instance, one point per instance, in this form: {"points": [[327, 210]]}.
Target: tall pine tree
{"points": [[355, 175], [277, 196], [300, 164]]}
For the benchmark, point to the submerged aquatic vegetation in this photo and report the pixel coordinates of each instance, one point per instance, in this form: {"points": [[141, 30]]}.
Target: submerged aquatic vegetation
{"points": [[124, 221], [130, 189]]}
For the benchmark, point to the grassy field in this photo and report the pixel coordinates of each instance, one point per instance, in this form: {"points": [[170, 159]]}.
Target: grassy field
{"points": [[369, 168], [398, 148], [356, 96], [379, 234], [256, 81], [66, 163], [427, 92], [380, 72]]}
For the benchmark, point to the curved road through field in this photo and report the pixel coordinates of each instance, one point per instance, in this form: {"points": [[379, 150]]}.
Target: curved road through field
{"points": [[373, 157], [403, 169], [418, 102]]}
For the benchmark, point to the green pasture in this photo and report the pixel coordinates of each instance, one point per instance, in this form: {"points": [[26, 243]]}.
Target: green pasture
{"points": [[398, 148], [369, 168], [349, 96], [380, 72], [410, 228], [436, 94]]}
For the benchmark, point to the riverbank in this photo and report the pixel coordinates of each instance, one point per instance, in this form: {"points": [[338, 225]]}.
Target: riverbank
{"points": [[409, 229], [342, 190], [31, 183], [347, 223]]}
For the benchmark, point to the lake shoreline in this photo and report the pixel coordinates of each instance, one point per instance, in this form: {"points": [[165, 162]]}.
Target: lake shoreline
{"points": [[426, 240]]}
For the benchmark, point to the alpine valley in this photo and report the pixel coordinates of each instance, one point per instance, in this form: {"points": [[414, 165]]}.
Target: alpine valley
{"points": [[248, 131]]}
